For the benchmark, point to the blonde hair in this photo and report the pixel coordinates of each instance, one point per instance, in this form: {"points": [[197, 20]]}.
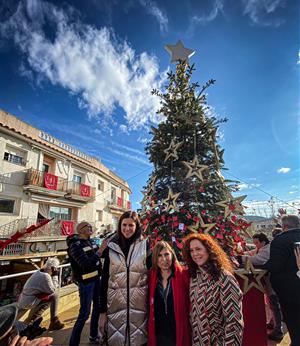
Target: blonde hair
{"points": [[159, 246]]}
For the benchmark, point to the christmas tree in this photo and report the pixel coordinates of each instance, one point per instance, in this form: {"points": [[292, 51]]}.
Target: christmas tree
{"points": [[186, 192]]}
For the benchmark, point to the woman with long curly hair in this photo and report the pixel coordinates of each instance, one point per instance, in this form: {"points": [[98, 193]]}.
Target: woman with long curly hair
{"points": [[215, 297]]}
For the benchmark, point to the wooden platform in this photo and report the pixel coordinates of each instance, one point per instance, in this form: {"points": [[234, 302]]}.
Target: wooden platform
{"points": [[61, 337]]}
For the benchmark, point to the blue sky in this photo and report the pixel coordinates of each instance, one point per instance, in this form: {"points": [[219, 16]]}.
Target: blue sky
{"points": [[83, 72]]}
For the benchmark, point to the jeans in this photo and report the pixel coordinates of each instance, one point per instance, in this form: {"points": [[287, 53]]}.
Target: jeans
{"points": [[87, 293]]}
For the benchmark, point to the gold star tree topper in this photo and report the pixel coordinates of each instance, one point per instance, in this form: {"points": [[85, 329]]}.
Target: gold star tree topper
{"points": [[170, 201], [179, 52], [171, 151], [195, 169]]}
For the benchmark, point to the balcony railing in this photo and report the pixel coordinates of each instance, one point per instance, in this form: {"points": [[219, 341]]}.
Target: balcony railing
{"points": [[54, 228], [120, 202], [46, 180], [82, 190]]}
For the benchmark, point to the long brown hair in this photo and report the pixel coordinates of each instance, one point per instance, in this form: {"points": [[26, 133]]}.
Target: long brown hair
{"points": [[159, 246], [217, 258], [138, 231]]}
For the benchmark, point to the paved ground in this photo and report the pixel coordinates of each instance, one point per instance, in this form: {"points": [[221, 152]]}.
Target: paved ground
{"points": [[61, 337]]}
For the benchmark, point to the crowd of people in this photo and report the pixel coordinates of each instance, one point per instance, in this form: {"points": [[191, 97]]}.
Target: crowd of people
{"points": [[143, 296]]}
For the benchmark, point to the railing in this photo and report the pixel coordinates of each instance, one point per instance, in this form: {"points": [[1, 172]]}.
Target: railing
{"points": [[10, 228], [54, 228], [13, 249], [119, 202], [37, 178], [78, 189], [60, 267]]}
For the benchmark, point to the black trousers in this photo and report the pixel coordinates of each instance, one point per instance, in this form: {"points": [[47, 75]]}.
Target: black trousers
{"points": [[291, 315]]}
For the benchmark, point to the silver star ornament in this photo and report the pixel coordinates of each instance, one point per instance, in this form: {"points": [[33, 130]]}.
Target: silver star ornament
{"points": [[179, 52]]}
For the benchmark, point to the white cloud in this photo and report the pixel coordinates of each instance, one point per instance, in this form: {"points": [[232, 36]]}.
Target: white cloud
{"points": [[123, 128], [283, 170], [152, 8], [103, 72], [260, 11], [142, 140], [292, 192], [298, 61], [131, 157], [242, 186], [203, 19]]}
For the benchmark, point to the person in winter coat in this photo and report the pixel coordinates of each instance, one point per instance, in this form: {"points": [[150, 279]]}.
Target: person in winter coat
{"points": [[284, 279], [215, 297], [86, 268], [124, 288], [169, 299]]}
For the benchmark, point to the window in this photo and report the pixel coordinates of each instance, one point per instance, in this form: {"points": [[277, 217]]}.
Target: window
{"points": [[45, 167], [77, 178], [99, 215], [60, 213], [18, 160], [14, 155], [7, 206], [114, 195], [100, 185]]}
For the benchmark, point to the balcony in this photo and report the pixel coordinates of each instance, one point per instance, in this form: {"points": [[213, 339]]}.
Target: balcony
{"points": [[44, 183], [80, 192], [118, 205]]}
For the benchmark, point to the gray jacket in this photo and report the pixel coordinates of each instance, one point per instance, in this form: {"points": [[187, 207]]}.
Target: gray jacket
{"points": [[38, 283], [127, 295], [261, 257]]}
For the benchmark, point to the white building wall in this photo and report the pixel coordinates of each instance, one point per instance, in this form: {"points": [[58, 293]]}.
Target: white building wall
{"points": [[13, 175]]}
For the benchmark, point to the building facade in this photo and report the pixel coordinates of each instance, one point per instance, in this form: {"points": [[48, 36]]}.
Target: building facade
{"points": [[42, 177]]}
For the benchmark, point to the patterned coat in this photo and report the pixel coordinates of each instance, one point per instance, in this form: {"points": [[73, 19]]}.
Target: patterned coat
{"points": [[216, 310]]}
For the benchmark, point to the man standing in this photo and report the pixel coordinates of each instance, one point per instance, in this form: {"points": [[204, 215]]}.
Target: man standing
{"points": [[39, 292], [86, 267], [284, 279]]}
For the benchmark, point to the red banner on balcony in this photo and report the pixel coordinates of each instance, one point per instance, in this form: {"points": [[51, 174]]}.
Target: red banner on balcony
{"points": [[85, 190], [119, 201], [50, 181], [128, 205], [67, 227]]}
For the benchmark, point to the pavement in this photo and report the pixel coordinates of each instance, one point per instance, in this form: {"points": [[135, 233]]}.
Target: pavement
{"points": [[61, 337]]}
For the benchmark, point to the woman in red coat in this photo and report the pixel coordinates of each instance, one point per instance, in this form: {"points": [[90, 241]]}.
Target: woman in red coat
{"points": [[169, 299]]}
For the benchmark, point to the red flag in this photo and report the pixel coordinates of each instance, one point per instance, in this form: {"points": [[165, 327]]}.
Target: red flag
{"points": [[85, 190], [50, 181], [67, 227]]}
